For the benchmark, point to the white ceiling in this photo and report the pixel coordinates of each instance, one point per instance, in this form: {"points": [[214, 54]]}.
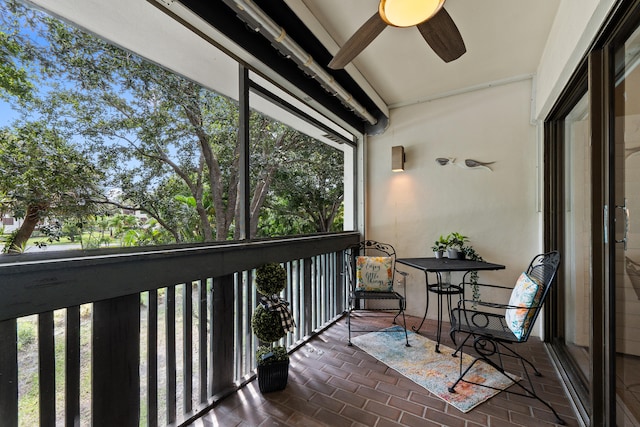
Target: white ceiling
{"points": [[504, 39]]}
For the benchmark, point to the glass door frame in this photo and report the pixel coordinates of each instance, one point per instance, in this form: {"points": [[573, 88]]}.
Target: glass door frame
{"points": [[554, 238], [595, 401]]}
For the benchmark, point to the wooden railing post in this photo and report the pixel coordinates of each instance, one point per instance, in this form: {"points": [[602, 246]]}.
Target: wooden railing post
{"points": [[72, 367], [341, 286], [46, 369], [308, 309], [222, 335], [9, 373], [115, 362]]}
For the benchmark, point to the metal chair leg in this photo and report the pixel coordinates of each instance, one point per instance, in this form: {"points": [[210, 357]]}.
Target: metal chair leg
{"points": [[349, 325], [483, 355], [459, 347], [522, 359], [406, 334]]}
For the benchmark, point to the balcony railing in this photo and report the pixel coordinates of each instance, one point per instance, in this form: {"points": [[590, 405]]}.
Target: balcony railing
{"points": [[148, 336]]}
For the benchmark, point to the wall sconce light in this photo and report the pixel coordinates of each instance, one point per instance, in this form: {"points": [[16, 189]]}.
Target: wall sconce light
{"points": [[397, 158]]}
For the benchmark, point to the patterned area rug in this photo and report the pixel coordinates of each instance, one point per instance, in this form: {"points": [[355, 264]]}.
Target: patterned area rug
{"points": [[433, 371]]}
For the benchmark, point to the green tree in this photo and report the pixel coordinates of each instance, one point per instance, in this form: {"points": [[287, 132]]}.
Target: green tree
{"points": [[167, 144], [308, 194], [14, 78], [151, 126], [43, 176]]}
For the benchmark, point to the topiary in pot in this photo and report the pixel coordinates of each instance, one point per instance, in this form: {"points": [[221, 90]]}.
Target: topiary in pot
{"points": [[273, 354], [267, 325], [273, 368], [271, 279], [270, 322]]}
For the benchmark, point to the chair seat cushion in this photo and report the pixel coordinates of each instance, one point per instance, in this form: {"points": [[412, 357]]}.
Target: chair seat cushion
{"points": [[523, 296], [374, 274]]}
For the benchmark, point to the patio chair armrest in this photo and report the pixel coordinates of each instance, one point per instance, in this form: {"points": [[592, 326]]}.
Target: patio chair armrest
{"points": [[463, 303]]}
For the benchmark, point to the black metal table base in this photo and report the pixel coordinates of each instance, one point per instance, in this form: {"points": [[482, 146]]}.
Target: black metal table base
{"points": [[441, 290], [444, 288]]}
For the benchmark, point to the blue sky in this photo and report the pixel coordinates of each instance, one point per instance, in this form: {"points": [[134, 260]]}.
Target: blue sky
{"points": [[7, 114]]}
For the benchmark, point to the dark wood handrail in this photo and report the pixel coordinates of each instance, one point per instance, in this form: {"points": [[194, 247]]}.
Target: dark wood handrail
{"points": [[205, 297], [36, 283]]}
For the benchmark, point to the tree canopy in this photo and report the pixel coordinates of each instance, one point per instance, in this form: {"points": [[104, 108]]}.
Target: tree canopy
{"points": [[43, 175], [14, 80], [164, 144]]}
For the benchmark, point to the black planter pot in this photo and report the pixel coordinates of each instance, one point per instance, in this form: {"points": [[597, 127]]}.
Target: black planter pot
{"points": [[273, 377]]}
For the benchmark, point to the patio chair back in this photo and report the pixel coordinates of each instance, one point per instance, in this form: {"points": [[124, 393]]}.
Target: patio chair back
{"points": [[543, 269], [368, 248], [495, 336], [371, 268]]}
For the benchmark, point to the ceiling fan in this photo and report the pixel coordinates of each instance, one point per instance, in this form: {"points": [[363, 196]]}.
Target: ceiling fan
{"points": [[429, 16]]}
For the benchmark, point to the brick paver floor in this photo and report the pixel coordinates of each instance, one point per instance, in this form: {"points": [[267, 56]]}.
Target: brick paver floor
{"points": [[332, 384]]}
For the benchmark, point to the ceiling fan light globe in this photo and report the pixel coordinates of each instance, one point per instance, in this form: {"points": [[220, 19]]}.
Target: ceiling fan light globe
{"points": [[407, 13]]}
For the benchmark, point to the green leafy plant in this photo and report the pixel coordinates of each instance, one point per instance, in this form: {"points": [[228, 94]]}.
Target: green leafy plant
{"points": [[266, 325], [271, 279], [440, 244], [10, 245], [471, 254], [456, 240], [268, 354]]}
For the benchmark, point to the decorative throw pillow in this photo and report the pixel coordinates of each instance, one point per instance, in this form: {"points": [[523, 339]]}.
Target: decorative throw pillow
{"points": [[537, 300], [523, 296], [374, 274]]}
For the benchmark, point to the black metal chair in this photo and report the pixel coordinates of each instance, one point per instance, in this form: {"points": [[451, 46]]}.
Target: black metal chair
{"points": [[371, 268], [496, 328]]}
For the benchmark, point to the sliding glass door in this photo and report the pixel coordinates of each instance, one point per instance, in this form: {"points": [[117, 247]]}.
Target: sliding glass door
{"points": [[626, 286], [576, 291], [569, 229], [592, 214]]}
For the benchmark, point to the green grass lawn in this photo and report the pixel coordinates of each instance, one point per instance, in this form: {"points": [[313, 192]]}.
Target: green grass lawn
{"points": [[28, 382], [66, 241]]}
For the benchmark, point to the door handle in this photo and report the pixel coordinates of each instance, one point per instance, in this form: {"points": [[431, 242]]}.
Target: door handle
{"points": [[625, 212]]}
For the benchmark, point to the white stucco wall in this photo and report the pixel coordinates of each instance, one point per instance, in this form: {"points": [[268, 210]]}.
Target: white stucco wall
{"points": [[497, 210], [574, 29]]}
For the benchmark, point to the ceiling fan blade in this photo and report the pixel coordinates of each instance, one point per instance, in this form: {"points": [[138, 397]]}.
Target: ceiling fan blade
{"points": [[443, 36], [358, 41]]}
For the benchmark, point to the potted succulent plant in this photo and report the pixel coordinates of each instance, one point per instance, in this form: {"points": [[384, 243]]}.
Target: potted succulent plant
{"points": [[270, 322]]}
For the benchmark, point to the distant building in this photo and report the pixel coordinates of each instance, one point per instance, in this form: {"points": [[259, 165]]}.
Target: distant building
{"points": [[10, 223]]}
